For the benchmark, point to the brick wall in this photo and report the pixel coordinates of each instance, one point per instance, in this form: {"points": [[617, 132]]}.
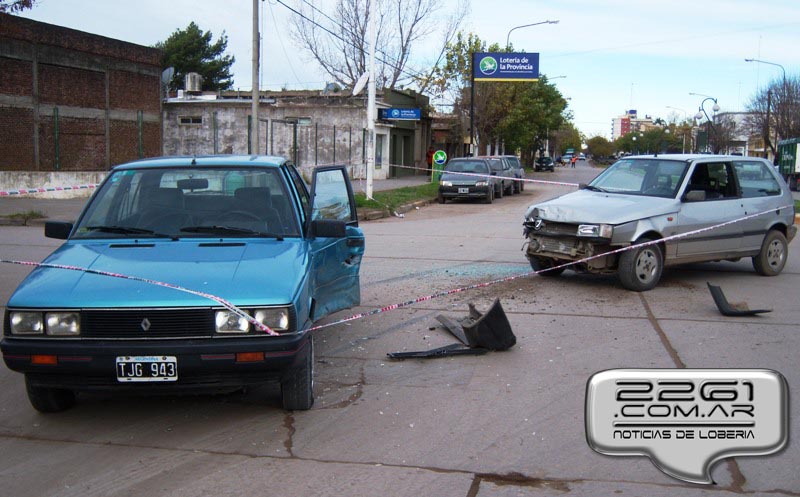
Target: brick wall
{"points": [[97, 87]]}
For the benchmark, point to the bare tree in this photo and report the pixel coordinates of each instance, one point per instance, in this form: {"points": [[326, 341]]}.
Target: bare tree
{"points": [[775, 111], [339, 42]]}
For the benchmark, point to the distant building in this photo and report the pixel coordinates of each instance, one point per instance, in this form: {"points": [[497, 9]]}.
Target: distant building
{"points": [[74, 101], [309, 127]]}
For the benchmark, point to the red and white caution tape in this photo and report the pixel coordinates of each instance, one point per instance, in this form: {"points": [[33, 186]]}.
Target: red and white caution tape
{"points": [[219, 300], [30, 191], [401, 305]]}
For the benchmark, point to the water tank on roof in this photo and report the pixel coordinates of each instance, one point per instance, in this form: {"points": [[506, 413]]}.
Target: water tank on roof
{"points": [[193, 82]]}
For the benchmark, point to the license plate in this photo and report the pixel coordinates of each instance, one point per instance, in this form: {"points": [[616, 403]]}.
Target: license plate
{"points": [[147, 368], [463, 190]]}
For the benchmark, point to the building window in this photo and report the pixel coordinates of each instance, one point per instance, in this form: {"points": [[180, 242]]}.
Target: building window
{"points": [[190, 120]]}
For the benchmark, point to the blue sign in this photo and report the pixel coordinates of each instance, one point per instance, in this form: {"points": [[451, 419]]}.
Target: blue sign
{"points": [[497, 66], [401, 114]]}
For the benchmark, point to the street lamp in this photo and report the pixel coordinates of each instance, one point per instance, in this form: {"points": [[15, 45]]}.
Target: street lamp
{"points": [[771, 64], [526, 26], [701, 111], [769, 101]]}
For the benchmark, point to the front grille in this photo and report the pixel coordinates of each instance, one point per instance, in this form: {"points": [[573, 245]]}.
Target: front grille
{"points": [[552, 228], [147, 323]]}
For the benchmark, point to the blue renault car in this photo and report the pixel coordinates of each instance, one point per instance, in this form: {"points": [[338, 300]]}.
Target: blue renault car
{"points": [[187, 274]]}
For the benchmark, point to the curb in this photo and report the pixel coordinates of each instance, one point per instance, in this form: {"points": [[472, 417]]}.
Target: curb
{"points": [[374, 214]]}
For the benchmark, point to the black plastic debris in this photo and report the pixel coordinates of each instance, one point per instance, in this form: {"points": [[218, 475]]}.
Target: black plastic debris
{"points": [[726, 308], [478, 334]]}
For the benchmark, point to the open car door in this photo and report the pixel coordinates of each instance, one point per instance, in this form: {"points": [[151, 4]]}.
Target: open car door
{"points": [[337, 243]]}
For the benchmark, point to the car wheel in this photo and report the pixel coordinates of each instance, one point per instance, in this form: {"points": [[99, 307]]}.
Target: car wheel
{"points": [[543, 263], [297, 384], [441, 199], [500, 191], [772, 257], [521, 186], [489, 196], [49, 400], [510, 190], [640, 268]]}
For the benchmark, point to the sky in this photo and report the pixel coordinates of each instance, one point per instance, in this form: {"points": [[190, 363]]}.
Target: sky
{"points": [[605, 56]]}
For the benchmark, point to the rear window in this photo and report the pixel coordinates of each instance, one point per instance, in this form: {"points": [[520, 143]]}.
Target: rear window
{"points": [[467, 166], [756, 179]]}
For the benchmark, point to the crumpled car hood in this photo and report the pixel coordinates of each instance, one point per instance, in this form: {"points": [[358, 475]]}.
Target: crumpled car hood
{"points": [[586, 206], [245, 273]]}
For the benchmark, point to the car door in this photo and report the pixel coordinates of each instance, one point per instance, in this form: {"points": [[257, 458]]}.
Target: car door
{"points": [[760, 192], [720, 203], [336, 242]]}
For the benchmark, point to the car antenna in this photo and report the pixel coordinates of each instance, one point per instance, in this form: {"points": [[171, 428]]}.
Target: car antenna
{"points": [[194, 161]]}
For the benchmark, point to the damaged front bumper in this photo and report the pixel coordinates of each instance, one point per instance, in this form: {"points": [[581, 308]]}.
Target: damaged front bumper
{"points": [[561, 244]]}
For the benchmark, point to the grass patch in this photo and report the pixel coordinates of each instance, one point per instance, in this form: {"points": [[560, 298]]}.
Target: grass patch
{"points": [[26, 216], [797, 206], [397, 197]]}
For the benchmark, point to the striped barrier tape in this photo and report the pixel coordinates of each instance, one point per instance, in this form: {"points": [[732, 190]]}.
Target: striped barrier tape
{"points": [[401, 305], [31, 191]]}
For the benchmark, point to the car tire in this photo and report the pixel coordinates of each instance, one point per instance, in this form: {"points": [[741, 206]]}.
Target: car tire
{"points": [[489, 196], [772, 256], [297, 383], [500, 191], [441, 199], [49, 400], [511, 190], [521, 186], [542, 263], [640, 268]]}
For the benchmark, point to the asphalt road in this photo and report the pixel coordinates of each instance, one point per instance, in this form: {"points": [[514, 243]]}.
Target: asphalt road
{"points": [[503, 424]]}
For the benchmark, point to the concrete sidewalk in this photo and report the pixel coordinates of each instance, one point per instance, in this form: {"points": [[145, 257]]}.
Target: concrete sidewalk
{"points": [[69, 209]]}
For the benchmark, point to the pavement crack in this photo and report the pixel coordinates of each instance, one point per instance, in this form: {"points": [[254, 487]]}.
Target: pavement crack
{"points": [[288, 443], [673, 353]]}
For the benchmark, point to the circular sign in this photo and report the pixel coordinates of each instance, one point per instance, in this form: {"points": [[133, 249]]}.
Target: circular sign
{"points": [[488, 65], [439, 157]]}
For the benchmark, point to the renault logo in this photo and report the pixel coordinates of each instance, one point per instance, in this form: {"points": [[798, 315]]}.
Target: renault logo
{"points": [[145, 324]]}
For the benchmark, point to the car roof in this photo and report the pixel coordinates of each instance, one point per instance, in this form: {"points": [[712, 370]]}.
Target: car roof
{"points": [[209, 161], [692, 157]]}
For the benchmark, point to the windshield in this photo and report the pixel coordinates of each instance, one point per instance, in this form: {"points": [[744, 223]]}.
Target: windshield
{"points": [[467, 166], [184, 202], [648, 177]]}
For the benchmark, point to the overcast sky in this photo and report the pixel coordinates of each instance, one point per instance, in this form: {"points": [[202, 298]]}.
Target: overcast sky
{"points": [[616, 54]]}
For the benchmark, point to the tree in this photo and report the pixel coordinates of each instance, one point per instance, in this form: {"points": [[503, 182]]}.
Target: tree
{"points": [[599, 146], [191, 50], [520, 115], [340, 44], [780, 100], [15, 6]]}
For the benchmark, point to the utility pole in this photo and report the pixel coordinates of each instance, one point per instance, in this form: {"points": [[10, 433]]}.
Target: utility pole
{"points": [[255, 95], [371, 103]]}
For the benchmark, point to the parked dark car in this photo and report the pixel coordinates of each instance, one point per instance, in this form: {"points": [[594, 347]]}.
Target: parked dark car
{"points": [[468, 177], [505, 176], [519, 171], [544, 163], [275, 255], [644, 199]]}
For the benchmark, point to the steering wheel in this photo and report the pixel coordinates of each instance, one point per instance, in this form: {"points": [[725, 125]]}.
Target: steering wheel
{"points": [[242, 216]]}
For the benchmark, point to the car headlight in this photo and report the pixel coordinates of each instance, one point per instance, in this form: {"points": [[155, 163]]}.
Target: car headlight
{"points": [[276, 318], [445, 183], [230, 322], [27, 323], [482, 183], [63, 323], [596, 230]]}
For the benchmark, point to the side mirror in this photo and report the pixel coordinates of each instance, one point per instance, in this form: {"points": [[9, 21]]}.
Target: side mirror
{"points": [[327, 228], [695, 196], [59, 230]]}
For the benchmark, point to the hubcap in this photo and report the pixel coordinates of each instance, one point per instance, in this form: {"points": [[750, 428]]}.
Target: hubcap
{"points": [[646, 265], [775, 254]]}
